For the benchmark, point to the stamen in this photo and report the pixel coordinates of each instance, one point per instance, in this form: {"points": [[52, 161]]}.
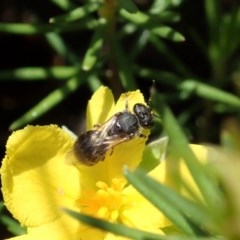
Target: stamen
{"points": [[107, 202]]}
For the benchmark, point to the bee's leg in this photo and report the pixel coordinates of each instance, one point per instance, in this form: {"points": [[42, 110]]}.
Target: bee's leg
{"points": [[111, 152], [96, 125], [142, 135]]}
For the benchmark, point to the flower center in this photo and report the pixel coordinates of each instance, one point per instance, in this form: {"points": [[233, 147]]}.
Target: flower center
{"points": [[106, 202]]}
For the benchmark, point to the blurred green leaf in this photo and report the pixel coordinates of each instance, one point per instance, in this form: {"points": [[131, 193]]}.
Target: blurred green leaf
{"points": [[12, 225], [157, 193], [159, 6], [75, 14], [128, 5], [92, 54], [57, 43], [209, 92], [138, 18], [168, 33], [170, 56], [150, 191], [37, 28], [49, 101], [213, 10], [168, 16], [64, 4], [153, 154], [125, 72], [115, 228], [38, 73], [179, 143]]}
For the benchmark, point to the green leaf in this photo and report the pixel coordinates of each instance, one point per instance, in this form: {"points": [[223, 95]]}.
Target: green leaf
{"points": [[118, 229], [213, 15], [138, 18], [139, 45], [209, 92], [170, 56], [25, 28], [75, 14], [157, 193], [91, 55], [57, 43], [12, 225], [30, 29], [153, 154], [168, 33], [49, 102], [64, 4], [159, 6], [168, 16], [128, 5], [38, 73], [147, 187], [179, 143], [125, 72]]}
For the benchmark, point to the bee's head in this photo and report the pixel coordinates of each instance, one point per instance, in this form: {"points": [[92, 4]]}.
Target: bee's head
{"points": [[144, 115]]}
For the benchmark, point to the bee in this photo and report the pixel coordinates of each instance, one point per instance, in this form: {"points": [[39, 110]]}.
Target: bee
{"points": [[92, 146]]}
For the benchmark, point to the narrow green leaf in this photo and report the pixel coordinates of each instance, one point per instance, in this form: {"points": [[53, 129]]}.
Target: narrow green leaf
{"points": [[118, 229], [167, 16], [29, 29], [171, 57], [213, 15], [168, 78], [38, 73], [160, 6], [12, 225], [56, 41], [179, 143], [127, 29], [64, 4], [25, 28], [153, 154], [157, 191], [125, 72], [164, 206], [168, 33], [48, 102], [128, 5], [75, 14], [209, 92], [92, 54], [138, 18], [139, 46]]}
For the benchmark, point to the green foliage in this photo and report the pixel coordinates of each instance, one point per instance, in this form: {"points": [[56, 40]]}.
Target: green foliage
{"points": [[136, 43]]}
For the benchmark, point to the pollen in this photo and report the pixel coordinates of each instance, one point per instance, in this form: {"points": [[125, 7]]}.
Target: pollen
{"points": [[107, 202]]}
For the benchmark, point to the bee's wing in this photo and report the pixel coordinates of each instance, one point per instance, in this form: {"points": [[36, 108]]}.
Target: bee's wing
{"points": [[105, 127]]}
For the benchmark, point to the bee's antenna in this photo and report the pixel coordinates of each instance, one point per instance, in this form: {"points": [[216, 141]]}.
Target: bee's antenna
{"points": [[126, 103], [152, 92]]}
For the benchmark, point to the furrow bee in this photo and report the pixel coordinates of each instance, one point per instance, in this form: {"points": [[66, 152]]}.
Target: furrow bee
{"points": [[92, 146]]}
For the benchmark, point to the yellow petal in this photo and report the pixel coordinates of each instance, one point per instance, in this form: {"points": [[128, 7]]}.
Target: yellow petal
{"points": [[141, 213], [127, 153], [99, 107], [36, 181], [131, 98]]}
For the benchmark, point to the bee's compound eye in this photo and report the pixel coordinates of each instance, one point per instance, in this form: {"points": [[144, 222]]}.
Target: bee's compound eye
{"points": [[144, 115]]}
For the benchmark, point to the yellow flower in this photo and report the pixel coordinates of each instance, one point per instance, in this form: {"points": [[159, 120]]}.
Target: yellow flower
{"points": [[38, 181]]}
